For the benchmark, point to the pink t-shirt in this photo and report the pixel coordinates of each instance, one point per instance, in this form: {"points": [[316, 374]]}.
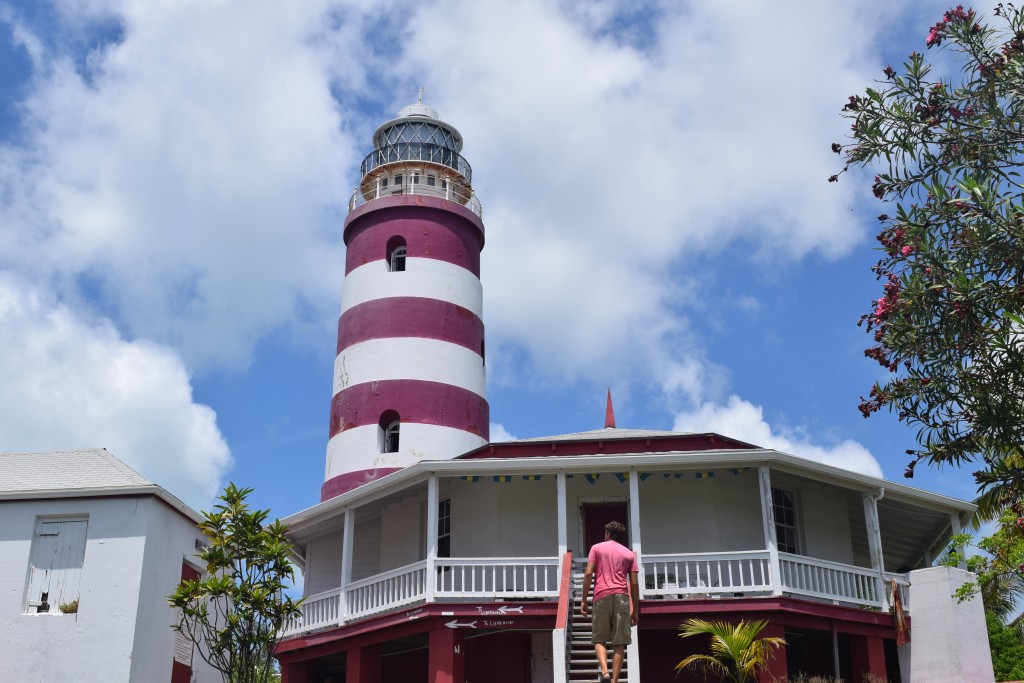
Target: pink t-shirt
{"points": [[612, 564]]}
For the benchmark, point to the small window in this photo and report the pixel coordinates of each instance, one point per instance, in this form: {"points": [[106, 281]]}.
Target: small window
{"points": [[784, 508], [55, 566], [431, 180], [414, 179], [395, 254], [390, 427], [398, 260], [391, 437], [383, 182], [398, 179], [444, 528]]}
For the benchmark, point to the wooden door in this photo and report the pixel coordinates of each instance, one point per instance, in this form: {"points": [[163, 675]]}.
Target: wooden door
{"points": [[595, 516]]}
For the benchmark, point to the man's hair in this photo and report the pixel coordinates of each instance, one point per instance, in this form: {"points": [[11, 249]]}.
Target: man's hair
{"points": [[616, 531]]}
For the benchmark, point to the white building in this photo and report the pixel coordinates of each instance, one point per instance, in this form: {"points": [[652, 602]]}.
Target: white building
{"points": [[89, 550]]}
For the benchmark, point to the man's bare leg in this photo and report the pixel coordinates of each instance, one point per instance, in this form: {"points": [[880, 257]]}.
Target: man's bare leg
{"points": [[602, 657], [617, 655]]}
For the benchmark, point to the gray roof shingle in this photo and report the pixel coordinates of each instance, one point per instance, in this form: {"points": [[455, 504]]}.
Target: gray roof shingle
{"points": [[83, 469]]}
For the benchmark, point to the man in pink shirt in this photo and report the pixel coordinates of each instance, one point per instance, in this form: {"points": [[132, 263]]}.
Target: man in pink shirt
{"points": [[615, 567]]}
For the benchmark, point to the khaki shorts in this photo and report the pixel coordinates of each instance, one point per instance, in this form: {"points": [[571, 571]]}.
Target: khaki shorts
{"points": [[611, 620]]}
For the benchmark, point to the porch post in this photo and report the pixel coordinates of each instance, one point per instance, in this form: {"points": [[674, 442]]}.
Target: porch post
{"points": [[954, 525], [563, 533], [875, 543], [633, 649], [347, 544], [431, 535], [768, 521], [634, 523]]}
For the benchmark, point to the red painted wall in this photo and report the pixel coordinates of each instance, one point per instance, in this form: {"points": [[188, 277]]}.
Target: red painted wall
{"points": [[498, 658]]}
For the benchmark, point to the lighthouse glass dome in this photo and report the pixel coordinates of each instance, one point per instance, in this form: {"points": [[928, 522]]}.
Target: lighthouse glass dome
{"points": [[417, 139]]}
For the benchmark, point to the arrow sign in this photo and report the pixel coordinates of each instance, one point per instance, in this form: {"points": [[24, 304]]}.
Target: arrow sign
{"points": [[505, 609], [455, 624]]}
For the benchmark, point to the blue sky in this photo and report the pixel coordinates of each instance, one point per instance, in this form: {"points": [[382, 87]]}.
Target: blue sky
{"points": [[174, 178]]}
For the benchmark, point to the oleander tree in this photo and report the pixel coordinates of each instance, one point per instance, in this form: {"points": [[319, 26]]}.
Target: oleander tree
{"points": [[235, 612], [948, 325]]}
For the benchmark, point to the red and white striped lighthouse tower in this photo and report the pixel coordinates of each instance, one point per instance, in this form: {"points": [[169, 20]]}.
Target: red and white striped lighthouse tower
{"points": [[409, 377]]}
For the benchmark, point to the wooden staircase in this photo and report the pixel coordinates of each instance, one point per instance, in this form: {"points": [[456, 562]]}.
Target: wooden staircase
{"points": [[582, 660]]}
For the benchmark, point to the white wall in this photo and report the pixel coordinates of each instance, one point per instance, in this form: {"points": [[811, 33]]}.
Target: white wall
{"points": [[323, 563], [170, 539], [401, 526], [690, 515], [366, 549], [824, 517], [504, 519], [118, 600], [949, 640]]}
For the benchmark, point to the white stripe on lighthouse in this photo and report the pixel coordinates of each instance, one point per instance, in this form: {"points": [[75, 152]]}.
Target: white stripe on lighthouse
{"points": [[429, 360], [358, 448], [424, 277]]}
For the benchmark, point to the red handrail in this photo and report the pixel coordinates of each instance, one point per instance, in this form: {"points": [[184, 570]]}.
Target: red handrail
{"points": [[563, 591]]}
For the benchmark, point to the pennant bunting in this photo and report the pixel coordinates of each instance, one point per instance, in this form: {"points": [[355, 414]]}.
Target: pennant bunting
{"points": [[592, 478], [502, 478], [531, 477], [469, 478], [623, 477], [644, 475]]}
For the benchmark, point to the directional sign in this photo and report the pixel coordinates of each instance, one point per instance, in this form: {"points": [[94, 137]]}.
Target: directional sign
{"points": [[454, 623], [505, 609]]}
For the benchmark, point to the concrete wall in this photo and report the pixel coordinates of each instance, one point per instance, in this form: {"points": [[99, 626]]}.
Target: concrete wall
{"points": [[949, 641], [170, 539], [118, 599]]}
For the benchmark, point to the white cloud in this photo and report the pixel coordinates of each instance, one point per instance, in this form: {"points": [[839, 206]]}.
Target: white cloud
{"points": [[742, 420], [71, 384], [499, 433]]}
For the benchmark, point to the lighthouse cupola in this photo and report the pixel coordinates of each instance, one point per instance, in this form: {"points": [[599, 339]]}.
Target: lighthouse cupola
{"points": [[409, 376]]}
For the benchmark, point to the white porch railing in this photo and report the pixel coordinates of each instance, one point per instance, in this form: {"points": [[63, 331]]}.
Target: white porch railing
{"points": [[668, 576], [496, 577], [831, 581], [706, 574], [386, 591], [318, 611]]}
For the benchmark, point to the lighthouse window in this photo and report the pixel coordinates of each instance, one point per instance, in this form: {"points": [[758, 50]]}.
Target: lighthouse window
{"points": [[391, 437], [398, 179], [395, 254], [383, 182], [414, 179], [431, 180], [398, 260]]}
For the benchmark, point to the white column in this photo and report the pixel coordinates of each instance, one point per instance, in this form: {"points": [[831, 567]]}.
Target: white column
{"points": [[347, 540], [432, 502], [875, 544], [632, 650], [768, 520], [954, 524], [563, 527]]}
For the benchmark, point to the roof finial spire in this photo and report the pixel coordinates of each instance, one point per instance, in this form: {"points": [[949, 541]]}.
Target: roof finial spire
{"points": [[419, 100], [609, 413]]}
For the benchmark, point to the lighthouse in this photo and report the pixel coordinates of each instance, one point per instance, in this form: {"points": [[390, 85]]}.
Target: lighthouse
{"points": [[409, 375]]}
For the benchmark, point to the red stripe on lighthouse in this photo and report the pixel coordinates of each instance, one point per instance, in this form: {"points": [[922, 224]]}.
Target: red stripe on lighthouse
{"points": [[443, 235], [415, 401], [408, 316]]}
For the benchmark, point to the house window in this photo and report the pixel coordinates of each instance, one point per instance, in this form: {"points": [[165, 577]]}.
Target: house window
{"points": [[784, 508], [444, 528], [396, 254], [55, 565]]}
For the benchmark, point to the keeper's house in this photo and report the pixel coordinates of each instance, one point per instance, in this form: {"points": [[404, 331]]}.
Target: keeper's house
{"points": [[436, 556], [466, 569]]}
